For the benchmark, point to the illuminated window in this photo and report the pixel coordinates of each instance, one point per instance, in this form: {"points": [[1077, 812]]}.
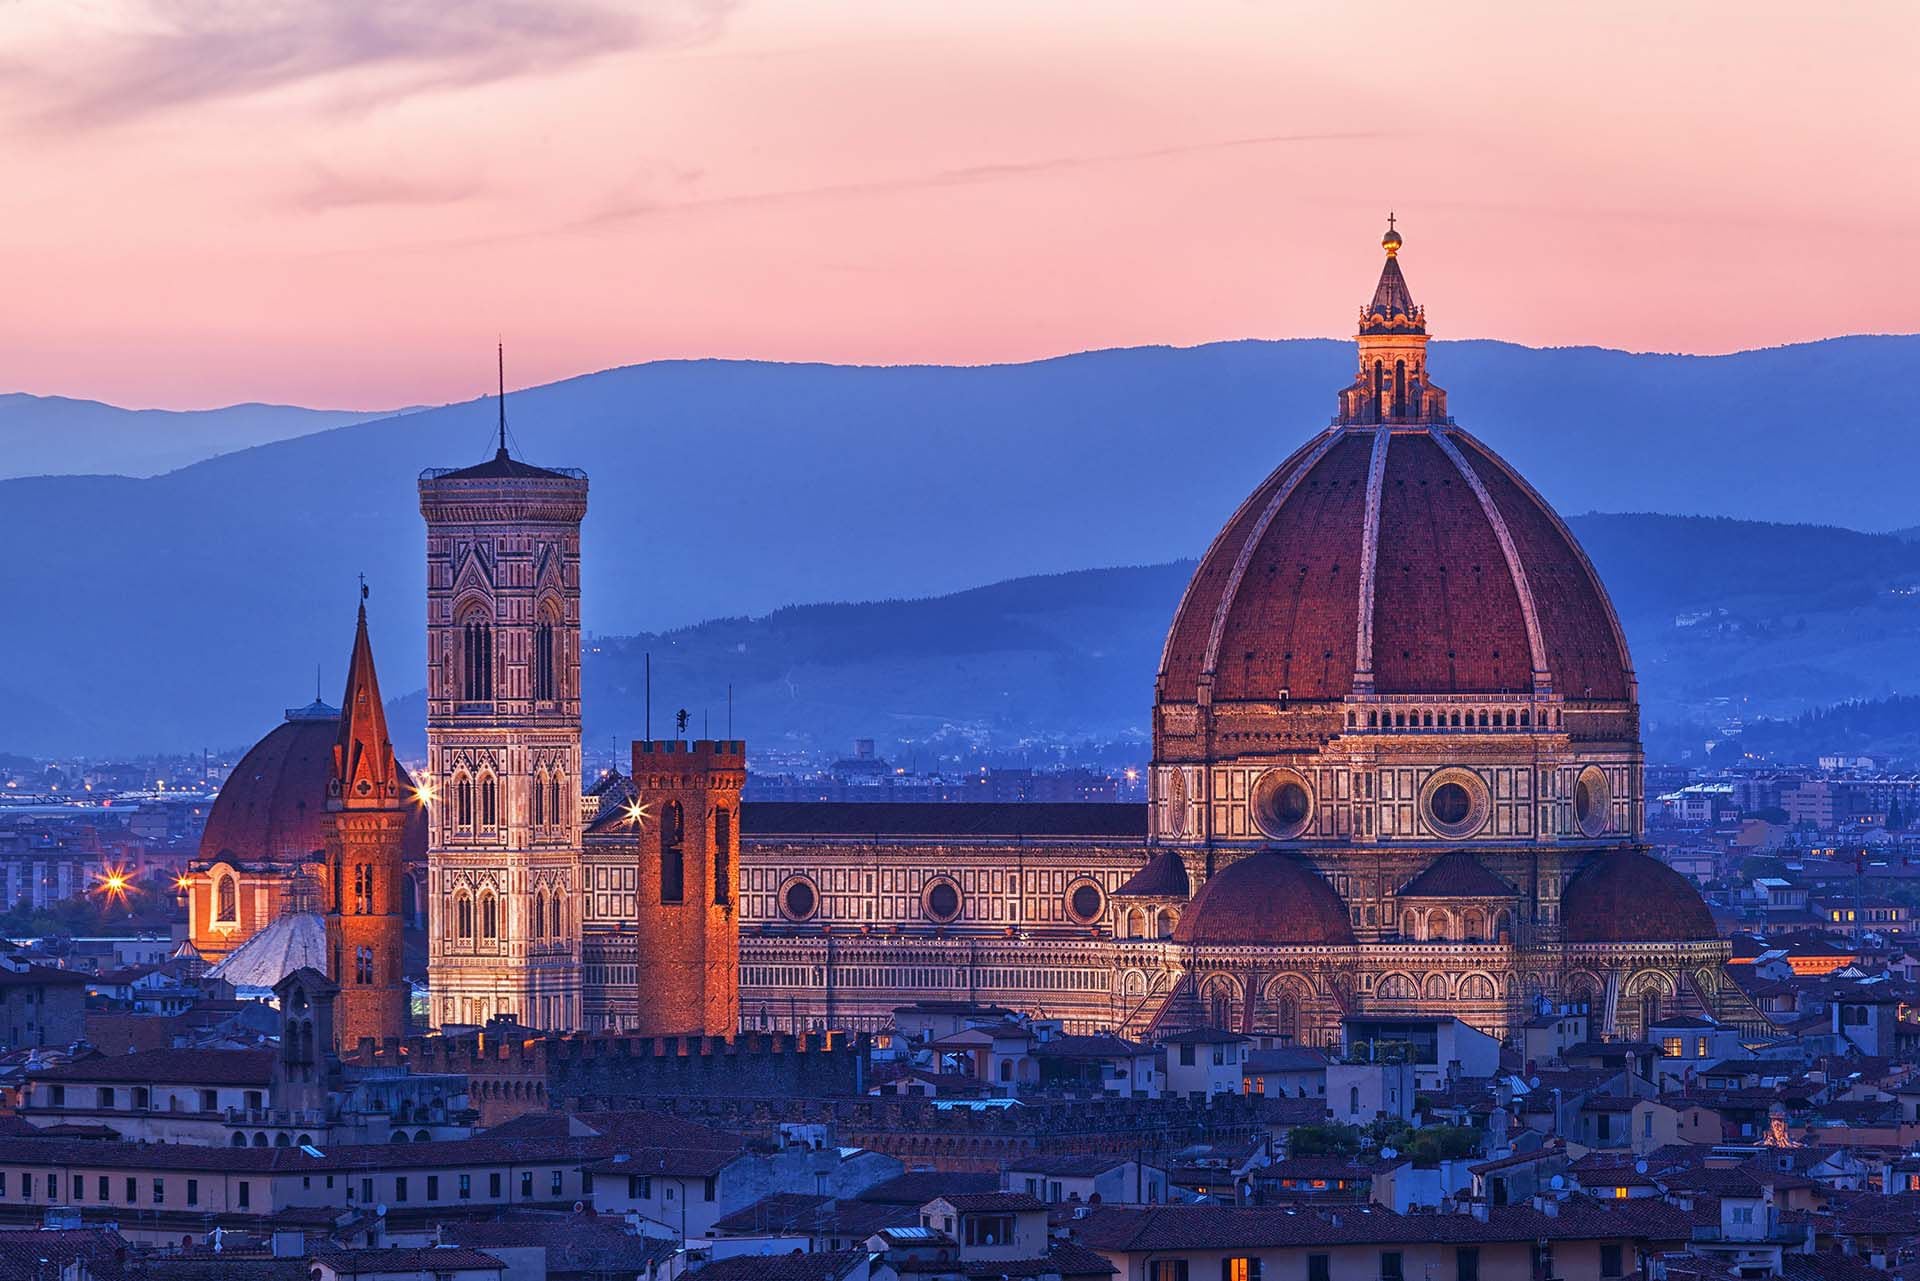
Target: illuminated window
{"points": [[1672, 1046], [1240, 1269], [227, 901]]}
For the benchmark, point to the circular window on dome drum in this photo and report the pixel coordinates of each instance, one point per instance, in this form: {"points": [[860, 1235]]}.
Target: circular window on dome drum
{"points": [[941, 900], [1282, 804], [799, 900], [1085, 902], [1454, 803], [1592, 801]]}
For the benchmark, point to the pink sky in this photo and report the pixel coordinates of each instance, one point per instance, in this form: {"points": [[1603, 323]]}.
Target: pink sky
{"points": [[343, 202]]}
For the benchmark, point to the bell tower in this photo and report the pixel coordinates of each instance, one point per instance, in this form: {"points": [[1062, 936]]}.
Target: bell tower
{"points": [[503, 739], [365, 840]]}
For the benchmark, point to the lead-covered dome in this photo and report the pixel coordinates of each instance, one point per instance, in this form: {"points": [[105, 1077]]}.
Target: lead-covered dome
{"points": [[1626, 896], [273, 806], [1270, 900]]}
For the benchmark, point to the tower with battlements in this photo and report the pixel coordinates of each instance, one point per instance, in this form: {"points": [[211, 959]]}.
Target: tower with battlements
{"points": [[663, 907], [503, 740]]}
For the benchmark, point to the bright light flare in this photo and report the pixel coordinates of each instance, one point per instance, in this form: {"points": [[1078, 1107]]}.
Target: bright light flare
{"points": [[638, 813], [423, 793], [114, 885]]}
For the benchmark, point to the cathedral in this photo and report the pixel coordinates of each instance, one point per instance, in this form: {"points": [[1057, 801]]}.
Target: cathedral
{"points": [[1396, 772]]}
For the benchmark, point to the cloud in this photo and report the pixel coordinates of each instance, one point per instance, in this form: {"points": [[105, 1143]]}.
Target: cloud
{"points": [[165, 54], [961, 176], [331, 189]]}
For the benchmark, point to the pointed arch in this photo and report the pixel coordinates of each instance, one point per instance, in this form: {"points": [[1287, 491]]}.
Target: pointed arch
{"points": [[474, 624], [489, 917]]}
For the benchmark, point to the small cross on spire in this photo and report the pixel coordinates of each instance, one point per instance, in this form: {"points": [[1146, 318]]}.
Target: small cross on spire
{"points": [[363, 586]]}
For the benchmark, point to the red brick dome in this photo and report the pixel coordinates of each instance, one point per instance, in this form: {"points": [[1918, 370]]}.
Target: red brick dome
{"points": [[1626, 896], [1477, 586], [273, 807], [1266, 899]]}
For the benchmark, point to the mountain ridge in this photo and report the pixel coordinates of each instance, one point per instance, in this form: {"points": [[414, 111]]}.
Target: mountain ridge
{"points": [[168, 610]]}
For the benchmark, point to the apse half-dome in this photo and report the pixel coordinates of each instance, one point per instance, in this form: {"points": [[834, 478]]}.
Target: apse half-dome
{"points": [[1626, 896], [1271, 900]]}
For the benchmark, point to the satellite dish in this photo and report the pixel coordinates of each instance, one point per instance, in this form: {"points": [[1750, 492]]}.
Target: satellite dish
{"points": [[1557, 1182], [578, 1206], [1533, 1083], [381, 1209], [1640, 1167], [1388, 1153]]}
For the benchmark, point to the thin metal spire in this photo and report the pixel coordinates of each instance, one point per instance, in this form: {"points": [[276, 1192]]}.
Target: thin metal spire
{"points": [[500, 355]]}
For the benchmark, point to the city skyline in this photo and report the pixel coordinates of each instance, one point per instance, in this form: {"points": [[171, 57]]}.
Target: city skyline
{"points": [[290, 203]]}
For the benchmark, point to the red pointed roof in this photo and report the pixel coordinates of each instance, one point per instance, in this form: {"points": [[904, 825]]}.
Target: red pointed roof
{"points": [[364, 774]]}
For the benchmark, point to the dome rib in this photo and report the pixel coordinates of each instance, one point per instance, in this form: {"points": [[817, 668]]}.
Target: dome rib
{"points": [[1542, 674], [1210, 664], [1578, 622], [1370, 564]]}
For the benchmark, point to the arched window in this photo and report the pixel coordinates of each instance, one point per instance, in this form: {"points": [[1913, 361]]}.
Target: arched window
{"points": [[476, 657], [722, 855], [539, 800], [489, 918], [1220, 1005], [540, 914], [489, 801], [463, 803], [673, 855], [1396, 987], [1399, 389], [1439, 926], [554, 807], [363, 965], [226, 895], [463, 918], [543, 664], [1476, 987]]}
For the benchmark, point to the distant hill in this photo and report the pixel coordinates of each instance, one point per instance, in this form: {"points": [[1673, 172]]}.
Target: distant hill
{"points": [[57, 436], [1730, 622], [186, 609]]}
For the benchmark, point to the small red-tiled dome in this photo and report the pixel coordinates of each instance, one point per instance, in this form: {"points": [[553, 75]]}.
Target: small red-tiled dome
{"points": [[1629, 897], [273, 807], [1266, 899]]}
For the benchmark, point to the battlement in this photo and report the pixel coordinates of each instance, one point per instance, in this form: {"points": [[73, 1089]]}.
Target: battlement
{"points": [[724, 753], [514, 1070], [524, 1048]]}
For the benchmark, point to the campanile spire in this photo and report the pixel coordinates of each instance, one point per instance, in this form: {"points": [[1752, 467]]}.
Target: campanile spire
{"points": [[1392, 386], [365, 859]]}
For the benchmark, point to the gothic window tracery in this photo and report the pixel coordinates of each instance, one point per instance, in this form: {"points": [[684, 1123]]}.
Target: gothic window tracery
{"points": [[489, 801], [226, 896], [489, 918], [476, 656], [463, 917], [463, 803]]}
